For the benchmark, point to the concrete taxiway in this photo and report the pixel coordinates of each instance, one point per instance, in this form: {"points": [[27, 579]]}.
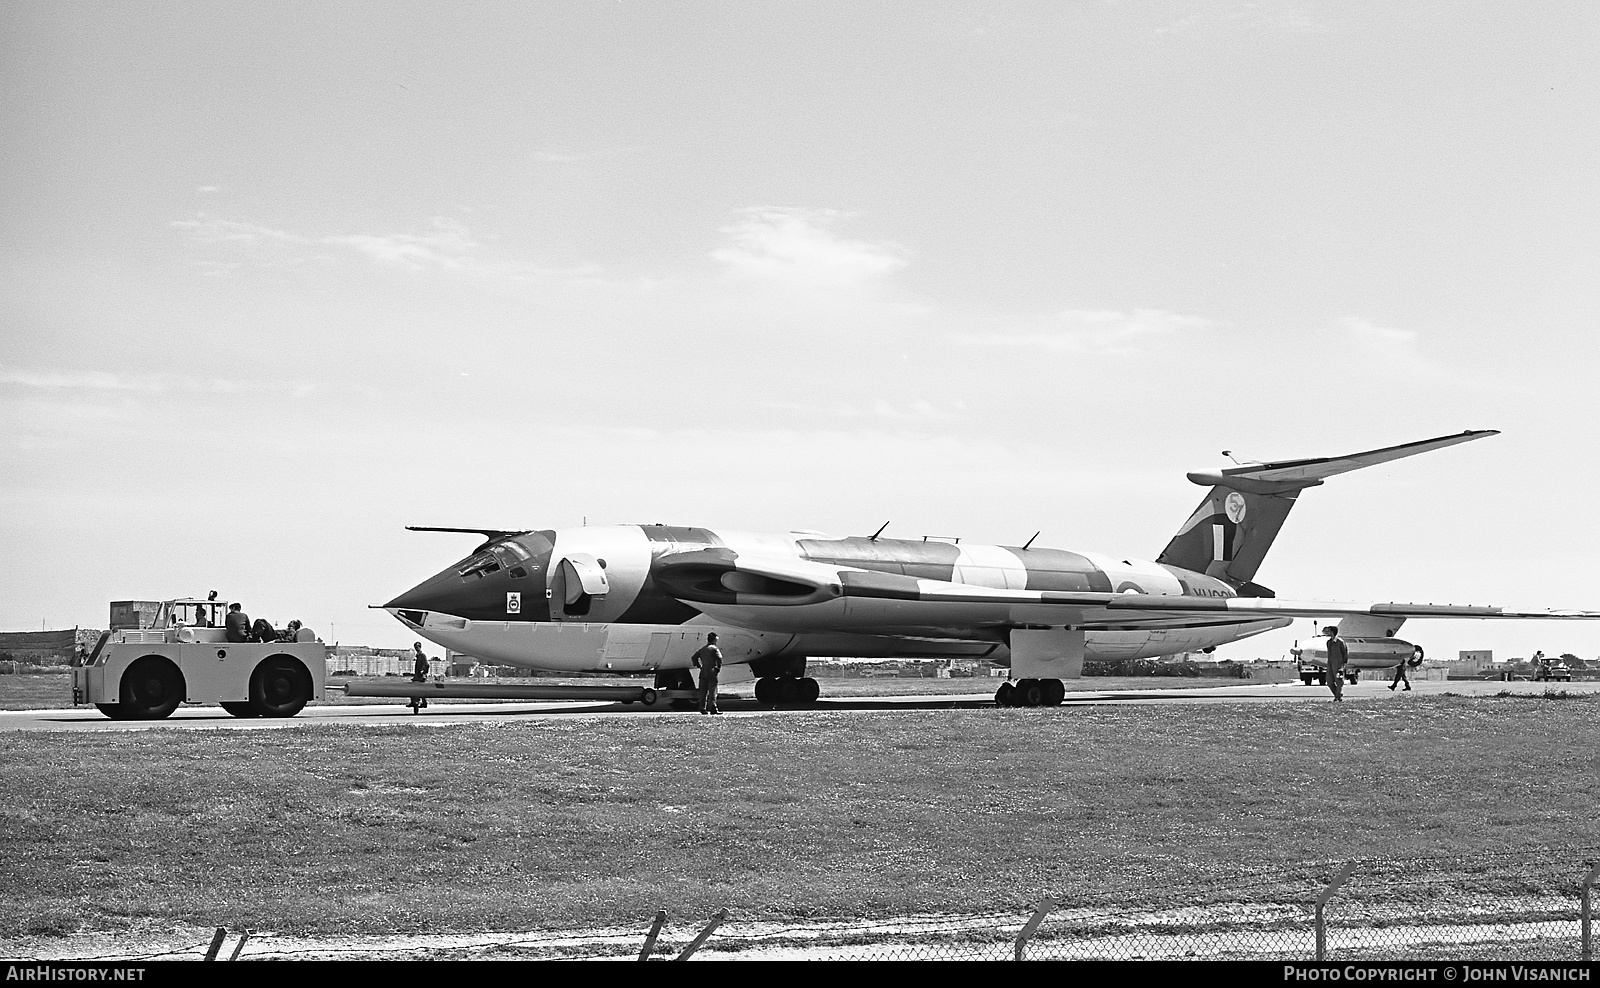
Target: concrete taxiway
{"points": [[742, 705]]}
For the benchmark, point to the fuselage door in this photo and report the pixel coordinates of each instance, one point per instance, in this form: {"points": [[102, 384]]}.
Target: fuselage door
{"points": [[576, 585]]}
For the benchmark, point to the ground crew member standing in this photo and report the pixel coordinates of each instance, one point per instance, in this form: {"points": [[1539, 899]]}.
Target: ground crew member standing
{"points": [[419, 674], [709, 661], [1338, 655]]}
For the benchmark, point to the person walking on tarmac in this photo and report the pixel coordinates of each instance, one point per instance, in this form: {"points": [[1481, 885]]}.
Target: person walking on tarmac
{"points": [[419, 674], [709, 661], [1338, 655], [1400, 676]]}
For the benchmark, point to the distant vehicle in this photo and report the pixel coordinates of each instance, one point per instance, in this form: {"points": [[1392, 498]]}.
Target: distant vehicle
{"points": [[1552, 671], [160, 653], [1311, 659]]}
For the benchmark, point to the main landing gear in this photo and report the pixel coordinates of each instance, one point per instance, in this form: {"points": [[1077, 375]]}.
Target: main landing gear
{"points": [[787, 689], [1031, 693]]}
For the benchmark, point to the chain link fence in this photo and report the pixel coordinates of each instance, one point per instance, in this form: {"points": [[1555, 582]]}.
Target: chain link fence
{"points": [[1531, 905], [1497, 907]]}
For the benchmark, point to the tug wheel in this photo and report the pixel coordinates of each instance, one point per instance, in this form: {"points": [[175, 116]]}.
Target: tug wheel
{"points": [[279, 687], [151, 689]]}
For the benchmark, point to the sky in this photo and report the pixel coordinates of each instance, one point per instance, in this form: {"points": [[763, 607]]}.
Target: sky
{"points": [[279, 279]]}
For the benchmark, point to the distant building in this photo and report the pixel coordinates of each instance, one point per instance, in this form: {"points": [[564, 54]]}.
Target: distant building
{"points": [[361, 660], [1472, 664], [45, 648]]}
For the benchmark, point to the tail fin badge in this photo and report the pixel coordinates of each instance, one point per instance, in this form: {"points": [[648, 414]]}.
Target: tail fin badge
{"points": [[1234, 506]]}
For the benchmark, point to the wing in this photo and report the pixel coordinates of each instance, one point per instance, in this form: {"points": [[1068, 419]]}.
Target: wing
{"points": [[793, 594]]}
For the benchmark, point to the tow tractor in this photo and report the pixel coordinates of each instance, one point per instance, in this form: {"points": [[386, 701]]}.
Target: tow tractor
{"points": [[159, 654]]}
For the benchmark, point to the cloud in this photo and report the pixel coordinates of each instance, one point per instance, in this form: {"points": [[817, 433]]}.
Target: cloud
{"points": [[795, 247], [214, 230], [1388, 350], [1105, 332], [104, 381], [448, 245]]}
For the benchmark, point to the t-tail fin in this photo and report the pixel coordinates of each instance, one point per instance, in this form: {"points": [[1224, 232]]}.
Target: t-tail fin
{"points": [[1229, 534]]}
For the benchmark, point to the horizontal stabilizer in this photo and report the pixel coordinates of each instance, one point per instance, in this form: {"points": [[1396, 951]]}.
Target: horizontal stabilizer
{"points": [[1286, 475]]}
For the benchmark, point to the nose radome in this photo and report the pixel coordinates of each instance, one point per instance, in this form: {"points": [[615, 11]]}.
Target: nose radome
{"points": [[501, 581], [479, 598]]}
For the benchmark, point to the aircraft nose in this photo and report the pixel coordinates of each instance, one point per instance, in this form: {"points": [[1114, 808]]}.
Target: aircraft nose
{"points": [[497, 583], [439, 592]]}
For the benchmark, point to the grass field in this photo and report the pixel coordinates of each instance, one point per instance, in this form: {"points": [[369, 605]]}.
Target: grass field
{"points": [[563, 823]]}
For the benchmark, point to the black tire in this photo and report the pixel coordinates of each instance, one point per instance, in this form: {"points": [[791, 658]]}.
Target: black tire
{"points": [[765, 693], [1306, 679], [240, 709], [648, 697], [1031, 692], [279, 687], [114, 711], [788, 689], [1054, 692], [1005, 696], [151, 689], [809, 690]]}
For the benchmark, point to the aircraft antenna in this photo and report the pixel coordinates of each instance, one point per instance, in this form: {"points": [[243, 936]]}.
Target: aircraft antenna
{"points": [[1030, 541], [874, 536]]}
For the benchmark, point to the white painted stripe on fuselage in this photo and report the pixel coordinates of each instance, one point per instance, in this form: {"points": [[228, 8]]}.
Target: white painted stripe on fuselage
{"points": [[773, 544], [990, 566], [1141, 574], [626, 552]]}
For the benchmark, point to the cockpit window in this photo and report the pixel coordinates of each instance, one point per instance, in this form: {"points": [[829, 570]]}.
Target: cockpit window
{"points": [[511, 557], [508, 556], [480, 565]]}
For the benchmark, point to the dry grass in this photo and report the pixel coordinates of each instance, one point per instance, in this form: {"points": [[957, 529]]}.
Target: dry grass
{"points": [[555, 823]]}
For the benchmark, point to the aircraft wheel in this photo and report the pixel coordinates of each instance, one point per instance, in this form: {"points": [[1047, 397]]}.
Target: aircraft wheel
{"points": [[648, 697], [240, 709], [788, 689], [809, 690], [1005, 696], [764, 690], [1031, 692], [1054, 692], [151, 689], [279, 687]]}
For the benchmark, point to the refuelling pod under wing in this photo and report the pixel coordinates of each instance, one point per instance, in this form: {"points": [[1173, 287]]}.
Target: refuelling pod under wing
{"points": [[1365, 653]]}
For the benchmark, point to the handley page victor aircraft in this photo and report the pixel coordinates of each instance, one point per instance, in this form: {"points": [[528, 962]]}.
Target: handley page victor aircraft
{"points": [[641, 598]]}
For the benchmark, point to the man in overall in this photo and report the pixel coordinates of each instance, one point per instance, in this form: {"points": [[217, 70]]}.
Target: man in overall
{"points": [[709, 661], [1400, 676], [1338, 655], [419, 674]]}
